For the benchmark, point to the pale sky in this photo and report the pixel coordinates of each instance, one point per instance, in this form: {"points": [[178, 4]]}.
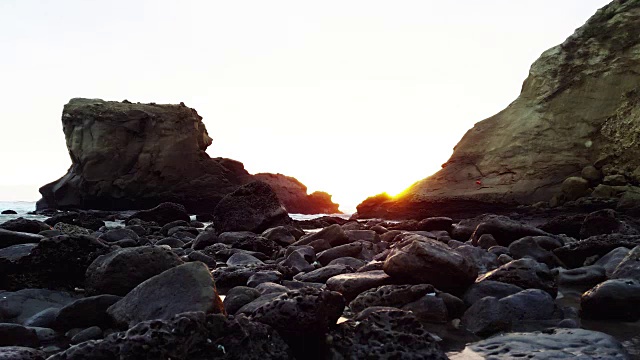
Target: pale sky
{"points": [[350, 97]]}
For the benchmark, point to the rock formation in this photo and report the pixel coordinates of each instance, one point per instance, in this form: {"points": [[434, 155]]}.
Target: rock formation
{"points": [[578, 107], [135, 156], [293, 195]]}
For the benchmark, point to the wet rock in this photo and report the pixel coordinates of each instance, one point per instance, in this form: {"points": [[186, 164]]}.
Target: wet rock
{"points": [[10, 238], [530, 304], [352, 249], [122, 270], [629, 267], [383, 334], [162, 214], [481, 259], [186, 336], [584, 277], [252, 207], [199, 256], [282, 235], [525, 273], [90, 333], [82, 219], [171, 242], [14, 253], [23, 304], [323, 274], [486, 288], [611, 260], [349, 261], [421, 260], [8, 212], [188, 287], [20, 353], [243, 259], [351, 285], [616, 299], [296, 263], [204, 239], [164, 230], [25, 225], [86, 312], [118, 234], [549, 344], [238, 297], [44, 318], [429, 308], [486, 317], [574, 254]]}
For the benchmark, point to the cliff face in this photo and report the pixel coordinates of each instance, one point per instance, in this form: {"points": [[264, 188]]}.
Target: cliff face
{"points": [[129, 156], [577, 107], [293, 194]]}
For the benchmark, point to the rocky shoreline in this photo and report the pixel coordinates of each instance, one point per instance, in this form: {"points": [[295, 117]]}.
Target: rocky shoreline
{"points": [[253, 284]]}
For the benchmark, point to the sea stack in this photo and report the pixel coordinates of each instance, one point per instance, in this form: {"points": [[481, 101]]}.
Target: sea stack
{"points": [[131, 156], [578, 109]]}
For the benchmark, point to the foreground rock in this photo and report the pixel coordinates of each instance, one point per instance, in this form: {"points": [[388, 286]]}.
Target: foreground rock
{"points": [[523, 154], [188, 287], [554, 344]]}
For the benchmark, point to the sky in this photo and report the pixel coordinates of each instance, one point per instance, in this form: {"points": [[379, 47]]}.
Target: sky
{"points": [[350, 97]]}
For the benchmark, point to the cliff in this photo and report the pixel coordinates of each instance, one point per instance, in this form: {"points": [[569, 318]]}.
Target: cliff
{"points": [[578, 107]]}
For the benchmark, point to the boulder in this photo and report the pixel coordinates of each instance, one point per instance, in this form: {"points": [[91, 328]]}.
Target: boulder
{"points": [[612, 259], [525, 273], [574, 254], [186, 336], [18, 335], [323, 274], [293, 195], [10, 238], [420, 260], [334, 234], [616, 299], [491, 288], [85, 219], [504, 230], [132, 156], [20, 306], [16, 252], [347, 250], [390, 296], [163, 214], [578, 105], [253, 207], [86, 312], [188, 287], [351, 285], [629, 267], [386, 333], [25, 225], [238, 297], [120, 271], [21, 353], [548, 344]]}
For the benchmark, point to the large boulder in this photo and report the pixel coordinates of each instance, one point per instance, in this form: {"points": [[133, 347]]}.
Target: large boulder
{"points": [[420, 260], [131, 156], [253, 207], [578, 105], [120, 271], [184, 288], [293, 195]]}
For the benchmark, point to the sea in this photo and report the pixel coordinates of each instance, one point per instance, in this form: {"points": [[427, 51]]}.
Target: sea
{"points": [[627, 333]]}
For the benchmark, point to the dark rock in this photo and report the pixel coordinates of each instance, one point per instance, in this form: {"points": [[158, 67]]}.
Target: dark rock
{"points": [[611, 259], [323, 274], [584, 277], [122, 270], [390, 296], [20, 353], [616, 299], [188, 287], [481, 259], [264, 276], [86, 312], [187, 336], [170, 242], [505, 230], [68, 229], [296, 263], [10, 238], [303, 317], [270, 288], [349, 261], [569, 225], [25, 225], [56, 263], [485, 241], [334, 234], [529, 247], [118, 234], [16, 252], [352, 249], [8, 212], [525, 273], [252, 207], [18, 335], [82, 219], [282, 235], [435, 223], [238, 297], [530, 304], [90, 333], [429, 309], [604, 222], [629, 267], [232, 276], [384, 334], [199, 256], [164, 230], [242, 259], [363, 235], [491, 288], [45, 318], [575, 254], [257, 244], [485, 317], [163, 214], [351, 285], [549, 344], [20, 306], [422, 260], [204, 239]]}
